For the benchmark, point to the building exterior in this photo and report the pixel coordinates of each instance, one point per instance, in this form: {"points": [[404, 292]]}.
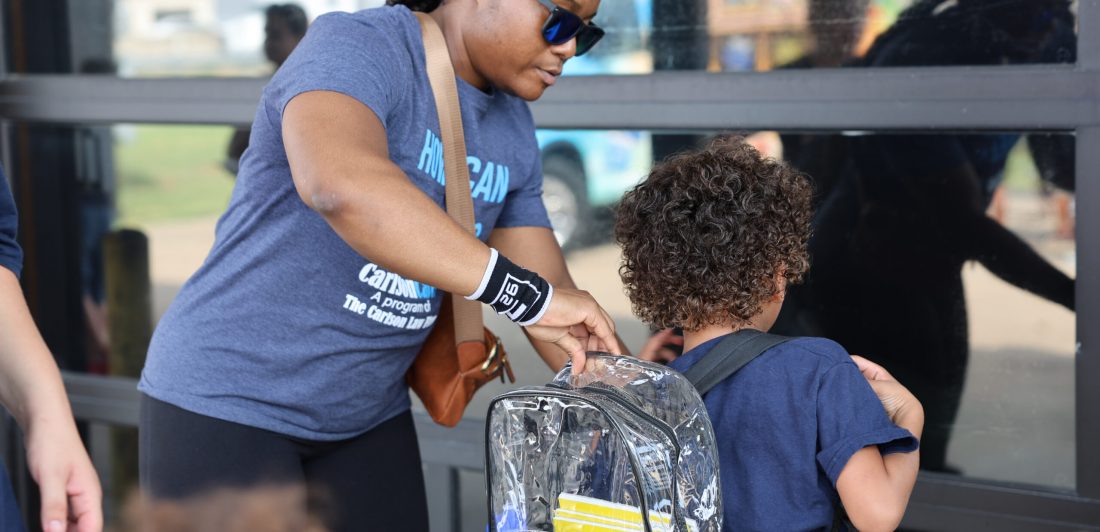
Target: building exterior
{"points": [[1019, 435]]}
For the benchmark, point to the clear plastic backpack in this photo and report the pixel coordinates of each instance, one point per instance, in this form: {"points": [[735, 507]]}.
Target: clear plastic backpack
{"points": [[625, 446]]}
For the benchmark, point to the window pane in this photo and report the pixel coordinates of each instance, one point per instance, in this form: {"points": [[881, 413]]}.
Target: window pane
{"points": [[761, 35], [1004, 355], [907, 269], [168, 183], [148, 38], [174, 183], [928, 253], [948, 258], [159, 38]]}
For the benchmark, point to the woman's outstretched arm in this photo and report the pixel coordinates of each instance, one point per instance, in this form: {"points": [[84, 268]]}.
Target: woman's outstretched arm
{"points": [[339, 159]]}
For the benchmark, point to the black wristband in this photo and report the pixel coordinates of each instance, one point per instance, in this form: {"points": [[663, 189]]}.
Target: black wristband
{"points": [[518, 294]]}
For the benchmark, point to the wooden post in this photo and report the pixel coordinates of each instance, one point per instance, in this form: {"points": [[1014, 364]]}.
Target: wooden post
{"points": [[129, 300], [130, 325]]}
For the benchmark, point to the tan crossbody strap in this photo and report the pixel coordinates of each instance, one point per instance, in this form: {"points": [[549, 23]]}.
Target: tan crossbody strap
{"points": [[468, 323]]}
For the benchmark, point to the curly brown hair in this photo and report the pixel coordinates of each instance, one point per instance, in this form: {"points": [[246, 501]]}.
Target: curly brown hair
{"points": [[706, 234]]}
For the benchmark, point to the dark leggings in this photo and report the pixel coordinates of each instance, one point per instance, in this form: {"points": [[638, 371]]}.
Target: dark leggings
{"points": [[370, 482]]}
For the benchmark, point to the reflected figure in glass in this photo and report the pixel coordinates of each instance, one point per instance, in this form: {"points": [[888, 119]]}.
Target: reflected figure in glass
{"points": [[900, 215], [284, 28]]}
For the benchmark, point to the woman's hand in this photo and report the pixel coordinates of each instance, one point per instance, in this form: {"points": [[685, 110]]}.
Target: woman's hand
{"points": [[655, 349], [576, 323], [70, 490], [898, 401]]}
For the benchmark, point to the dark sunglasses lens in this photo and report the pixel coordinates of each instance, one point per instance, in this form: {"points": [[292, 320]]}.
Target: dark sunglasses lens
{"points": [[588, 37], [561, 26]]}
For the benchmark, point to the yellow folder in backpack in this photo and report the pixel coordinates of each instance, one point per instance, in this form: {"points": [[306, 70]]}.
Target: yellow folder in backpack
{"points": [[577, 513]]}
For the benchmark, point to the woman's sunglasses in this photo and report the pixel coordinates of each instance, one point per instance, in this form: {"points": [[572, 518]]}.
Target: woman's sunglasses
{"points": [[563, 25]]}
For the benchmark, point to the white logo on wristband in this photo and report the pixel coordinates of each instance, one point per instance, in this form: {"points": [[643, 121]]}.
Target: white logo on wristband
{"points": [[507, 296]]}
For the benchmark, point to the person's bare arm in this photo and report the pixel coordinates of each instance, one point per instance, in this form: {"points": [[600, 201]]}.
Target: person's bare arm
{"points": [[31, 389], [339, 160], [536, 249], [656, 348], [875, 489]]}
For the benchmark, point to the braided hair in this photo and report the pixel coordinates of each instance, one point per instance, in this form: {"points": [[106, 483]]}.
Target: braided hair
{"points": [[424, 6]]}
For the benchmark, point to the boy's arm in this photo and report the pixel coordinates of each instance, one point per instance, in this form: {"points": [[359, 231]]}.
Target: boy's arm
{"points": [[874, 488]]}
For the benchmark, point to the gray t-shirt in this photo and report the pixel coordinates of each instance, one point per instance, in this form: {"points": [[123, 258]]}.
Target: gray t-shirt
{"points": [[285, 327]]}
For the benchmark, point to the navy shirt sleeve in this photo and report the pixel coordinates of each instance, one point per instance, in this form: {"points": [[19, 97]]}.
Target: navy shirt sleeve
{"points": [[356, 56], [9, 507], [850, 417], [11, 256]]}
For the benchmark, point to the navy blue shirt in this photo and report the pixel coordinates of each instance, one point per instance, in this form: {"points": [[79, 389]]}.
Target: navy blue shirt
{"points": [[10, 521], [11, 256], [786, 426]]}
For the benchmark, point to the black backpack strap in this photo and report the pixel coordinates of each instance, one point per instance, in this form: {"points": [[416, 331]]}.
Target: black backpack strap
{"points": [[729, 356]]}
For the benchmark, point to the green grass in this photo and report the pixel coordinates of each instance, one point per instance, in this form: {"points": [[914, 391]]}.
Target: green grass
{"points": [[171, 172]]}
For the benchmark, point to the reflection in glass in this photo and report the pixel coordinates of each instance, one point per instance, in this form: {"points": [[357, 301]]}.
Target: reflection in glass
{"points": [[949, 258], [760, 35], [899, 217], [172, 186], [928, 251], [167, 182], [152, 38], [95, 175], [158, 38], [284, 27]]}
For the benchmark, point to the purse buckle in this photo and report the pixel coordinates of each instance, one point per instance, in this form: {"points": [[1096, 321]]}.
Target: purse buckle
{"points": [[498, 355], [487, 368]]}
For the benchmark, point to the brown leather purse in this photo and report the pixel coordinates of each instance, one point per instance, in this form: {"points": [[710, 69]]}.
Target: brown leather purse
{"points": [[460, 355]]}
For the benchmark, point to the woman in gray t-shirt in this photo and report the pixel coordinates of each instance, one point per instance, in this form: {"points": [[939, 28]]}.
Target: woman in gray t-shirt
{"points": [[283, 358]]}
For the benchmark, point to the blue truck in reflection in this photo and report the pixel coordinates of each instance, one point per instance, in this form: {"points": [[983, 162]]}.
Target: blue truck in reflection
{"points": [[585, 172]]}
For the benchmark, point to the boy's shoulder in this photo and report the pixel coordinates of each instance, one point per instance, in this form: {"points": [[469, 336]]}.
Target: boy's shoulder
{"points": [[811, 350], [799, 363], [803, 351]]}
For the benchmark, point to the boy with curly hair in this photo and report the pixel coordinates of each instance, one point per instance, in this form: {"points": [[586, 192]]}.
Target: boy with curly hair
{"points": [[710, 241]]}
